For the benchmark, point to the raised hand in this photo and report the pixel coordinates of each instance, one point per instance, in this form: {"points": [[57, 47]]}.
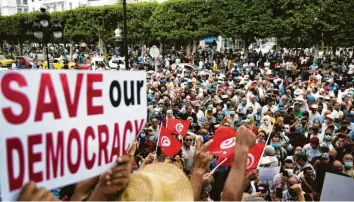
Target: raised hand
{"points": [[30, 192]]}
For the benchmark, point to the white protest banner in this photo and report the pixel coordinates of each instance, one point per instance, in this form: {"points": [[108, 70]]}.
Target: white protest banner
{"points": [[60, 127], [267, 174], [337, 188]]}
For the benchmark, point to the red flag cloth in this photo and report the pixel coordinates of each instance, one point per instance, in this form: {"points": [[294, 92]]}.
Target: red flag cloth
{"points": [[252, 160], [224, 140], [224, 145], [254, 156], [169, 144], [178, 126]]}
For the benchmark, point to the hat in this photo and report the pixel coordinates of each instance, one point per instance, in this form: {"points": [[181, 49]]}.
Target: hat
{"points": [[158, 182], [298, 92], [314, 106], [299, 98], [269, 150], [311, 99], [265, 160], [197, 104], [329, 117], [314, 140]]}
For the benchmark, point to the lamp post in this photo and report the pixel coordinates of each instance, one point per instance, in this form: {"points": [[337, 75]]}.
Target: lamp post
{"points": [[118, 35], [45, 31]]}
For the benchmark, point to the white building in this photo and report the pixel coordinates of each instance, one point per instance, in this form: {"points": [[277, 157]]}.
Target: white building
{"points": [[11, 7], [61, 5]]}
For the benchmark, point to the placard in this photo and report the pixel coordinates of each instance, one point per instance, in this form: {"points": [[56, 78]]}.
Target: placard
{"points": [[60, 127], [337, 188], [267, 174]]}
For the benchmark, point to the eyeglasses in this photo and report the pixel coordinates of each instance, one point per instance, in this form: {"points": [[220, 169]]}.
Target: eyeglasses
{"points": [[188, 140]]}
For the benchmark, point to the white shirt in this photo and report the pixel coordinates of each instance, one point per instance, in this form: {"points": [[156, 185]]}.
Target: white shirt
{"points": [[351, 69]]}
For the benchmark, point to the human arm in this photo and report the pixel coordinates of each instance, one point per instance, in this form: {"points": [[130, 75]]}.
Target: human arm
{"points": [[298, 191], [201, 164], [234, 186]]}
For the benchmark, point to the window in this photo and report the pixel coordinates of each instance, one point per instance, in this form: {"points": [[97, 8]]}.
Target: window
{"points": [[18, 2], [24, 2], [19, 10], [62, 6], [25, 10], [55, 7], [33, 9], [70, 5]]}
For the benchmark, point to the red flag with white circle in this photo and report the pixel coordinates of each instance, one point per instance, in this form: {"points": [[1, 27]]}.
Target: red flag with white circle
{"points": [[178, 126], [169, 144]]}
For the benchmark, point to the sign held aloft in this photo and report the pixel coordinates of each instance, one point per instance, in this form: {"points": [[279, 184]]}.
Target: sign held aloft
{"points": [[60, 127]]}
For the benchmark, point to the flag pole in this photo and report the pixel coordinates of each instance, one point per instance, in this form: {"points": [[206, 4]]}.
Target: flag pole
{"points": [[218, 165], [271, 131], [157, 143]]}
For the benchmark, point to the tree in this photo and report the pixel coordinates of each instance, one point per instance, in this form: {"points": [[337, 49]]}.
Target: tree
{"points": [[245, 19], [182, 20]]}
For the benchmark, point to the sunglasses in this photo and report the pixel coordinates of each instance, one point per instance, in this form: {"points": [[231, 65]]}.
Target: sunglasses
{"points": [[188, 140]]}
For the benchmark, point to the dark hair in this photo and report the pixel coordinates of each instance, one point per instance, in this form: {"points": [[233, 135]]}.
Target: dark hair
{"points": [[302, 156], [288, 161]]}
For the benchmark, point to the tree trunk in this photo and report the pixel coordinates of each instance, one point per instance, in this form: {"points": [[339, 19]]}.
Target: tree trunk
{"points": [[71, 50], [19, 47], [245, 46], [194, 49], [316, 54], [101, 44], [188, 48]]}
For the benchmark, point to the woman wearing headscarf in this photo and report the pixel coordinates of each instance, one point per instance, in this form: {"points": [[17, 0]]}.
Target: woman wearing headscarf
{"points": [[266, 125], [250, 123]]}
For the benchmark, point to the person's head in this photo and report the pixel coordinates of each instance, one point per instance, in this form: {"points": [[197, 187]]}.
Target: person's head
{"points": [[189, 109], [288, 166], [188, 140], [348, 161], [220, 115], [276, 142], [169, 113], [314, 142], [337, 167], [249, 110], [154, 122], [190, 119], [261, 136], [308, 173], [301, 158], [292, 181], [206, 125]]}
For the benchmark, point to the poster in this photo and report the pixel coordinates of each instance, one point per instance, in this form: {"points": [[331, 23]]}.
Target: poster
{"points": [[60, 127]]}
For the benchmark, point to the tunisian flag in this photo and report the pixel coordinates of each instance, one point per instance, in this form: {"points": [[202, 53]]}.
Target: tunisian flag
{"points": [[169, 144], [254, 156], [178, 126], [223, 145]]}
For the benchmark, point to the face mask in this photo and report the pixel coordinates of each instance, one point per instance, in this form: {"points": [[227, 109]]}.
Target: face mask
{"points": [[243, 103], [259, 111], [142, 135], [276, 145], [348, 164], [328, 138], [290, 171], [151, 139], [220, 117]]}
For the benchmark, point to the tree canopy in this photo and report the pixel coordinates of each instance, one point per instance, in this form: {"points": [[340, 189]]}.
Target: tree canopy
{"points": [[295, 23]]}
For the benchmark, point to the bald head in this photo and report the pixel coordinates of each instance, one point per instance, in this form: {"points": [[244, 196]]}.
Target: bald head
{"points": [[338, 166]]}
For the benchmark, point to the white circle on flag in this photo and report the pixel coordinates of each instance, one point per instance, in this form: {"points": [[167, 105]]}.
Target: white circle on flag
{"points": [[179, 127], [250, 161], [165, 141], [228, 143]]}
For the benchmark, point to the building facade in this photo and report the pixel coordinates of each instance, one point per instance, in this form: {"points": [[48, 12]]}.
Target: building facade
{"points": [[11, 7]]}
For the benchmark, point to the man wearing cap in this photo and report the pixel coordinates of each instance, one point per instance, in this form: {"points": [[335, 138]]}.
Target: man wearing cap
{"points": [[312, 149], [313, 114]]}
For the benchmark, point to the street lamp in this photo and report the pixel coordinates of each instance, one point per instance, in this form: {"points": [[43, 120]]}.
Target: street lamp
{"points": [[118, 35], [45, 32]]}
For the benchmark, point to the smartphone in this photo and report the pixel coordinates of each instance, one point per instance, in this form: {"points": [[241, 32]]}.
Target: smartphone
{"points": [[285, 173], [279, 193]]}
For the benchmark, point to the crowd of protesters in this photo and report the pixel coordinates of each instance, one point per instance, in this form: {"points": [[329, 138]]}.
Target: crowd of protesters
{"points": [[301, 107]]}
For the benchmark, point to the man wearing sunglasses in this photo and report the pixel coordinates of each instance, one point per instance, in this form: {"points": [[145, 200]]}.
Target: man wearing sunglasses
{"points": [[188, 153]]}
